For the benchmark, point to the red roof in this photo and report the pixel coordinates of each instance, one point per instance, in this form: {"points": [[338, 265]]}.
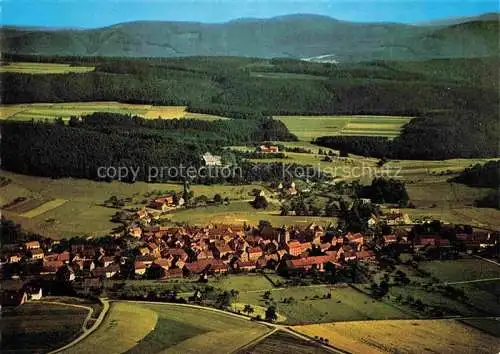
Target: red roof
{"points": [[309, 261], [254, 250]]}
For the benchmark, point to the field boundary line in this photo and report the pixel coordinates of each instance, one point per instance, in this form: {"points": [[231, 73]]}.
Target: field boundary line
{"points": [[256, 340], [471, 281], [87, 332]]}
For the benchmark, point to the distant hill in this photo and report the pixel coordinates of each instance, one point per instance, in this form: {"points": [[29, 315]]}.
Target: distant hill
{"points": [[304, 36]]}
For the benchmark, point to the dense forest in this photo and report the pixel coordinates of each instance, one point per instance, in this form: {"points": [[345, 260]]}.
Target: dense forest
{"points": [[486, 176], [81, 147], [386, 191], [436, 136]]}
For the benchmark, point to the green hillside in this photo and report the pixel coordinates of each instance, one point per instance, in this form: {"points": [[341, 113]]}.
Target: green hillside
{"points": [[293, 36]]}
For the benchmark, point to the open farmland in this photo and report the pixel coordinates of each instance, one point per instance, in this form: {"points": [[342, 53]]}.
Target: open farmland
{"points": [[51, 111], [166, 327], [43, 68], [36, 327], [308, 128], [404, 336], [308, 305]]}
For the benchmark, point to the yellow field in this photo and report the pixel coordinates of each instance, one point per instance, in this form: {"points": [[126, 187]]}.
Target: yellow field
{"points": [[49, 111], [43, 68], [404, 336], [166, 112], [124, 326], [44, 208]]}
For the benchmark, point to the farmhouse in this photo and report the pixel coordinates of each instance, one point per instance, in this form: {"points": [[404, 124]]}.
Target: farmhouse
{"points": [[164, 203], [140, 268], [268, 149], [37, 253], [32, 245], [295, 248], [254, 253]]}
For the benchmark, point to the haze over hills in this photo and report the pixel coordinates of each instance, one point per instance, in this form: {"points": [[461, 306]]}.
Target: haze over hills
{"points": [[299, 36]]}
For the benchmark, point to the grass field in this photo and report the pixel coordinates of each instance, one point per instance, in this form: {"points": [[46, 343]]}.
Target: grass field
{"points": [[43, 68], [461, 269], [244, 282], [309, 127], [346, 304], [155, 328], [51, 111], [39, 328], [404, 336], [282, 342], [123, 327]]}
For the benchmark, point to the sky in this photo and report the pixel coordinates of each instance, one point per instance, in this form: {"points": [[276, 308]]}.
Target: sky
{"points": [[100, 13]]}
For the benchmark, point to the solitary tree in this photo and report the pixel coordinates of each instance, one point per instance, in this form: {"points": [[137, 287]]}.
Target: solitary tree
{"points": [[271, 315], [248, 309]]}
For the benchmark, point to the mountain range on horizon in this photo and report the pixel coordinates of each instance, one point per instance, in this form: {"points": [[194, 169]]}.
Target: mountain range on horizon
{"points": [[299, 36]]}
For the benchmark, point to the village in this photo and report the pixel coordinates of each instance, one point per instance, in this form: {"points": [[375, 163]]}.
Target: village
{"points": [[148, 251]]}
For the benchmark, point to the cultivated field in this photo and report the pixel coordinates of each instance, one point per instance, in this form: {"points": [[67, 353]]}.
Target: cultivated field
{"points": [[39, 328], [404, 336], [51, 111], [308, 306], [43, 68], [45, 207], [154, 328], [462, 269], [309, 127]]}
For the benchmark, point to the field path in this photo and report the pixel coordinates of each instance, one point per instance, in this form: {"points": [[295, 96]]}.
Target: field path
{"points": [[86, 332]]}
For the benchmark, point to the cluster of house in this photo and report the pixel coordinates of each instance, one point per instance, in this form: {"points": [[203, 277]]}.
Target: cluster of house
{"points": [[478, 239], [173, 252], [183, 251]]}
